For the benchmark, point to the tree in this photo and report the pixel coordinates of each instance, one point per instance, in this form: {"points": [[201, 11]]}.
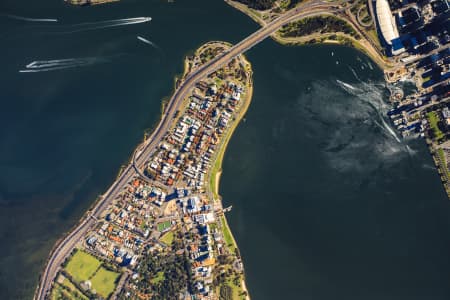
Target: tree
{"points": [[258, 4], [226, 293]]}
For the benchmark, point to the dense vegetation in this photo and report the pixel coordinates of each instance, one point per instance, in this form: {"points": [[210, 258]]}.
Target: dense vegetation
{"points": [[293, 3], [226, 292], [258, 4], [163, 277], [319, 24]]}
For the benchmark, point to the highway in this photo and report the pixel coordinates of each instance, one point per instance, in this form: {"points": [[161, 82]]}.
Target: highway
{"points": [[65, 246]]}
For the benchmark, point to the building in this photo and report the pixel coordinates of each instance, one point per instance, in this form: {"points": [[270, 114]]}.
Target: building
{"points": [[388, 27]]}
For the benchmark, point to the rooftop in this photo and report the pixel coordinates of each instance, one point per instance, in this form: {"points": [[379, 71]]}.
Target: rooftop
{"points": [[386, 21]]}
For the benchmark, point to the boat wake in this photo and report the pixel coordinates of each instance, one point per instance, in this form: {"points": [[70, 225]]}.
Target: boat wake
{"points": [[390, 131], [60, 64], [88, 26], [347, 86], [352, 117], [20, 18], [144, 40]]}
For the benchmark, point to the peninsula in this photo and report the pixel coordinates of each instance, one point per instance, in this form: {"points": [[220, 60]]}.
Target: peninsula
{"points": [[160, 231]]}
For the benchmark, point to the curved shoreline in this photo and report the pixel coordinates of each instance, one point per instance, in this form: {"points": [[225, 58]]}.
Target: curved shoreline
{"points": [[219, 173], [215, 175]]}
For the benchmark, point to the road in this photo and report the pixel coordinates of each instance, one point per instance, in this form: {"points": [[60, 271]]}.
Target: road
{"points": [[65, 246]]}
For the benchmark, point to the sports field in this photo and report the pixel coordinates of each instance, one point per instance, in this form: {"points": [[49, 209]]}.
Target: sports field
{"points": [[104, 282], [82, 266], [164, 225], [167, 238]]}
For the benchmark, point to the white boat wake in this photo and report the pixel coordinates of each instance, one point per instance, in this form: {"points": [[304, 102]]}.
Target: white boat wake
{"points": [[390, 130], [60, 64], [371, 95], [88, 26], [20, 18], [144, 40], [346, 85]]}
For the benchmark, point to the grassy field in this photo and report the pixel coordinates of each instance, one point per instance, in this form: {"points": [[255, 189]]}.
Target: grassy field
{"points": [[78, 294], [213, 226], [164, 225], [227, 235], [104, 282], [167, 238], [236, 291], [60, 293], [159, 277], [82, 266], [433, 119]]}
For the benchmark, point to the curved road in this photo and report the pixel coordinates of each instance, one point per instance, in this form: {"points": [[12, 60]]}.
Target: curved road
{"points": [[65, 246]]}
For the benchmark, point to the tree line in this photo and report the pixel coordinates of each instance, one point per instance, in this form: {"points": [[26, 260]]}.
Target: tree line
{"points": [[258, 4]]}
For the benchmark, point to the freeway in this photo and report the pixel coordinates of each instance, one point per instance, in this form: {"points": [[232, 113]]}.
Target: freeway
{"points": [[65, 246]]}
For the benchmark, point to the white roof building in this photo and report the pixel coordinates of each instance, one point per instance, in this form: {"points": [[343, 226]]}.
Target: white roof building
{"points": [[386, 21]]}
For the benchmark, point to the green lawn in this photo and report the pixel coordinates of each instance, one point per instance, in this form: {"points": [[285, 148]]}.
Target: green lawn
{"points": [[227, 235], [159, 277], [167, 238], [82, 266], [213, 227], [433, 119], [236, 291], [59, 293], [78, 294], [164, 225], [104, 282]]}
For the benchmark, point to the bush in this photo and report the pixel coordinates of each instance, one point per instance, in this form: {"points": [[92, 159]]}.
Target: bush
{"points": [[320, 24]]}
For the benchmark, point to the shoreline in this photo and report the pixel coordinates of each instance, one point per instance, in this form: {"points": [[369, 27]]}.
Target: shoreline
{"points": [[217, 173], [369, 51], [355, 44]]}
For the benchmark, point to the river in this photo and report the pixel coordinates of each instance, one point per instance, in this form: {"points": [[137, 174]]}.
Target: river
{"points": [[327, 204]]}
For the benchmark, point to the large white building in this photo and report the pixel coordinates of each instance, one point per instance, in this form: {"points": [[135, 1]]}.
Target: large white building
{"points": [[387, 24]]}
